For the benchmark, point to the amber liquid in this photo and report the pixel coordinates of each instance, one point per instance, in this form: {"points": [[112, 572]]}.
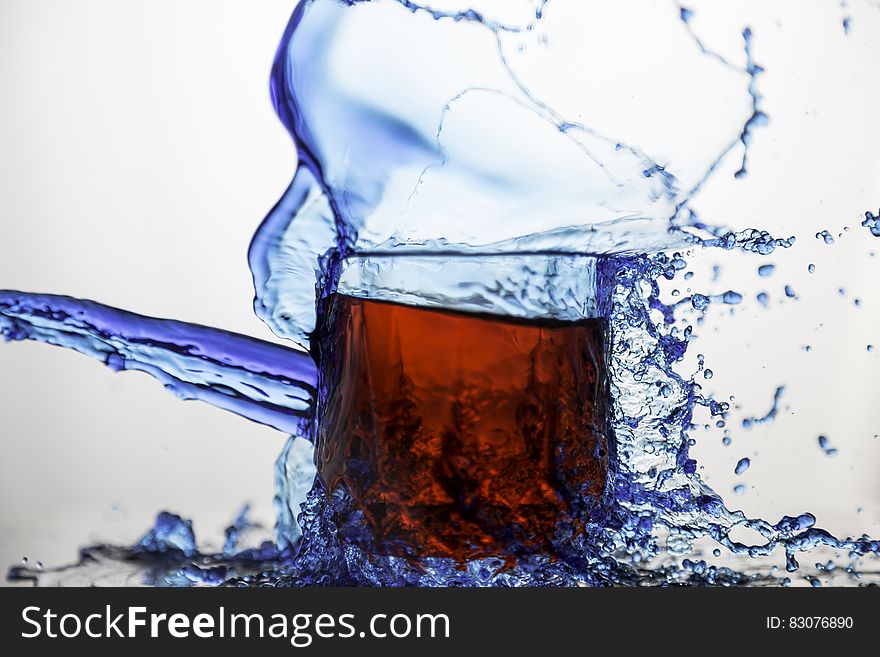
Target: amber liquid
{"points": [[461, 435]]}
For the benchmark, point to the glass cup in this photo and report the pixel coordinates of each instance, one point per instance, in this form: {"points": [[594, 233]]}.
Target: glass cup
{"points": [[462, 404]]}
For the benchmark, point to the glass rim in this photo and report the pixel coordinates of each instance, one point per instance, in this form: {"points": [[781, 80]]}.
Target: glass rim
{"points": [[526, 286]]}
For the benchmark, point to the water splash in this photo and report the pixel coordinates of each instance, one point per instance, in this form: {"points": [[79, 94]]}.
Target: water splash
{"points": [[402, 163], [395, 163], [825, 236], [750, 422], [171, 533], [269, 384], [825, 446], [872, 222], [657, 508]]}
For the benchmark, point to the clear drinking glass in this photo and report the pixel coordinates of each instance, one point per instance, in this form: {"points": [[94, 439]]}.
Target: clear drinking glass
{"points": [[462, 403], [464, 178]]}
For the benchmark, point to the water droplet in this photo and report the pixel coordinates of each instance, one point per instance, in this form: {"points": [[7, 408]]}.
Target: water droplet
{"points": [[700, 301], [872, 223], [825, 446], [824, 235], [742, 465]]}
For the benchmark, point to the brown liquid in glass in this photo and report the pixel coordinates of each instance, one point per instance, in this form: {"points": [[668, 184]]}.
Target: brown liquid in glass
{"points": [[461, 435]]}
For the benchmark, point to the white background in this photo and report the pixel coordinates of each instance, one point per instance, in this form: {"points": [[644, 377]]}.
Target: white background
{"points": [[139, 151]]}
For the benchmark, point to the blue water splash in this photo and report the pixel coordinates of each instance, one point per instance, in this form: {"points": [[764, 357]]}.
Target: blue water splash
{"points": [[266, 383], [825, 236], [234, 532], [825, 446], [872, 222], [170, 533], [701, 301], [372, 150], [758, 117], [750, 240], [750, 422]]}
